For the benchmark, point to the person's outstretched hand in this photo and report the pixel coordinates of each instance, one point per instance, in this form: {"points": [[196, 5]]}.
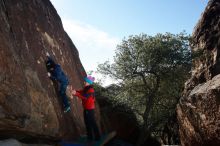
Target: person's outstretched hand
{"points": [[73, 91]]}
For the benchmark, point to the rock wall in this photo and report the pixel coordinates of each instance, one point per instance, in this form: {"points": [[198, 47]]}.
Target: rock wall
{"points": [[14, 142], [29, 103], [199, 108]]}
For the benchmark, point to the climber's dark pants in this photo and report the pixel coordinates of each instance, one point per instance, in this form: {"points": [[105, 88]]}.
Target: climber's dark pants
{"points": [[62, 91], [91, 125]]}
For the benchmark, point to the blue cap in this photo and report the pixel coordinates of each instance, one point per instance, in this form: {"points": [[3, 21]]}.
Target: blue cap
{"points": [[89, 79]]}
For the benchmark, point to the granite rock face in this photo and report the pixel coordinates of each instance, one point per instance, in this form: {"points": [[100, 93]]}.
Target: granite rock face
{"points": [[199, 109], [29, 103]]}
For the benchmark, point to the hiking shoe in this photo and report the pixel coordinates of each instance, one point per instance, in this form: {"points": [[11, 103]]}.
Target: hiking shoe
{"points": [[67, 109]]}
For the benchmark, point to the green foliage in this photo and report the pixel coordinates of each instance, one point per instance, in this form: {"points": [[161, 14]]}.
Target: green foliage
{"points": [[152, 71]]}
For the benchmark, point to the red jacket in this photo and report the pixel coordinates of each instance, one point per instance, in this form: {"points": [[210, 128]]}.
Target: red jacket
{"points": [[87, 96]]}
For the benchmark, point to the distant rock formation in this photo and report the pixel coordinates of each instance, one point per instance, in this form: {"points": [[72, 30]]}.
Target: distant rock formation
{"points": [[29, 104], [199, 108]]}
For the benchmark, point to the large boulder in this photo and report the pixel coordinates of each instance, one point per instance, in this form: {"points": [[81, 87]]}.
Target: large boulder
{"points": [[29, 103], [118, 118], [199, 108]]}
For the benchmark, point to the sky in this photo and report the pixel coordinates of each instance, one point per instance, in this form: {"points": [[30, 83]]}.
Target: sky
{"points": [[96, 27]]}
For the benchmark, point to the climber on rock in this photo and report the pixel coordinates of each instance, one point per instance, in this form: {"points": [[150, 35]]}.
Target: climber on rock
{"points": [[88, 102], [56, 74]]}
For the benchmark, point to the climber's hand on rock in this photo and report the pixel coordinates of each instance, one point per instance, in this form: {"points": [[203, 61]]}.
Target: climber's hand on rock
{"points": [[48, 74], [47, 54], [74, 92]]}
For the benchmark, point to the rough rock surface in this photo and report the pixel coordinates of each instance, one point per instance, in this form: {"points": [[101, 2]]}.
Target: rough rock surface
{"points": [[29, 104], [113, 118], [199, 108], [14, 142]]}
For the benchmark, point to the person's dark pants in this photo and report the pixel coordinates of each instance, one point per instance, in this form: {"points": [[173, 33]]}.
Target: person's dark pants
{"points": [[91, 125], [62, 91]]}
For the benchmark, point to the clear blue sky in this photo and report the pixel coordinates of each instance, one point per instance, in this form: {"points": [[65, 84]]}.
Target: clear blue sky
{"points": [[97, 26]]}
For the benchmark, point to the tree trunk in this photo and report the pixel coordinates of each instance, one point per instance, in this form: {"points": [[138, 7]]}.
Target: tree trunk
{"points": [[143, 136], [145, 131]]}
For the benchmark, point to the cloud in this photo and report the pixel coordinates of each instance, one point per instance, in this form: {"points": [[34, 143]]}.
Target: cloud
{"points": [[95, 46]]}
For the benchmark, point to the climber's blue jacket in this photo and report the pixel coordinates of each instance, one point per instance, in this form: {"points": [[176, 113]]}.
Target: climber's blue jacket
{"points": [[57, 73]]}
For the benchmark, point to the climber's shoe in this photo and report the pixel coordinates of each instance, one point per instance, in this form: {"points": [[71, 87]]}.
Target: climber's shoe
{"points": [[67, 109]]}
